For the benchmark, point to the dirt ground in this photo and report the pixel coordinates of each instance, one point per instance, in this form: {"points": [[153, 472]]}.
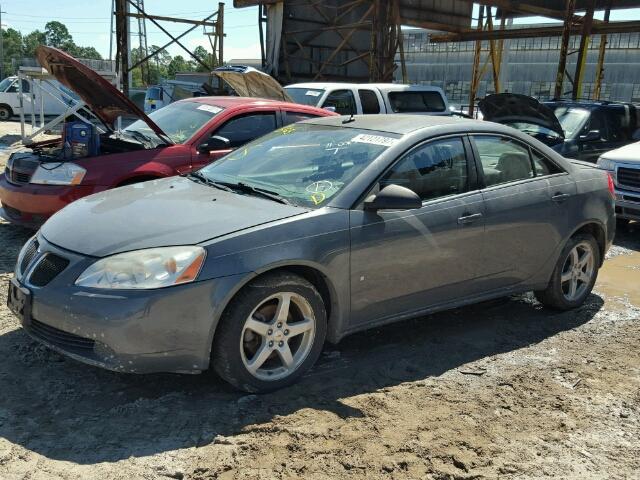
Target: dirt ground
{"points": [[505, 389]]}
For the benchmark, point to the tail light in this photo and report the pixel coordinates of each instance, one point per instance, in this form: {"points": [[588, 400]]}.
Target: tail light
{"points": [[611, 186]]}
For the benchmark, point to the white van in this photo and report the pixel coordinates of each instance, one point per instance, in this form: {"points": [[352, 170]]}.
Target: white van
{"points": [[10, 101], [371, 98]]}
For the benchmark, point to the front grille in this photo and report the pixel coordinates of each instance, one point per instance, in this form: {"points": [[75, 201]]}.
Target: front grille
{"points": [[60, 338], [21, 166], [629, 177], [29, 254], [47, 269]]}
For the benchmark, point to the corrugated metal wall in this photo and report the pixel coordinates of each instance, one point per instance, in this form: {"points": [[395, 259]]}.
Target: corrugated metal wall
{"points": [[529, 66]]}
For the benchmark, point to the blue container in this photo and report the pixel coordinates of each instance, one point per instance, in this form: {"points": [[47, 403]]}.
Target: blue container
{"points": [[82, 138]]}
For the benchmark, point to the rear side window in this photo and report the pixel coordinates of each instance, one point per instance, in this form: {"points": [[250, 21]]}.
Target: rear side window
{"points": [[369, 101], [342, 101], [542, 165], [241, 130], [295, 117], [415, 102], [503, 160]]}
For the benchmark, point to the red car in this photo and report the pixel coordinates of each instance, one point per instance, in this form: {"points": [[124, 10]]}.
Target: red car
{"points": [[176, 139]]}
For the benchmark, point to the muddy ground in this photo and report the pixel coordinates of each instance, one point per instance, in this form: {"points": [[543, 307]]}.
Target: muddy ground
{"points": [[504, 389]]}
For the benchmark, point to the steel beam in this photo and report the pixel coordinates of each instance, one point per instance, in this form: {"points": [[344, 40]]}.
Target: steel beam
{"points": [[475, 74], [584, 46], [601, 53], [564, 48]]}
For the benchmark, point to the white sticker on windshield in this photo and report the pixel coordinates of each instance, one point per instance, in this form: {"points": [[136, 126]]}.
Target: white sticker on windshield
{"points": [[210, 108], [374, 140], [313, 93]]}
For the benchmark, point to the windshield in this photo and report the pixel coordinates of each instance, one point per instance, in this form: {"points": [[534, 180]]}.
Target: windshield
{"points": [[180, 121], [305, 164], [571, 119], [305, 96], [153, 93], [4, 84]]}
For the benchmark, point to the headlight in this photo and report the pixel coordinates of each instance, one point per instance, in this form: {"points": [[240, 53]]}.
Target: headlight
{"points": [[58, 174], [151, 268], [606, 164]]}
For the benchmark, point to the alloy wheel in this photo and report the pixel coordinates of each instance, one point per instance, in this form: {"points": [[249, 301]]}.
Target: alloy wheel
{"points": [[277, 336], [577, 271]]}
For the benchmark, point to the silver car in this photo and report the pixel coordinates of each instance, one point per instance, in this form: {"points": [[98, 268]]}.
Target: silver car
{"points": [[313, 232]]}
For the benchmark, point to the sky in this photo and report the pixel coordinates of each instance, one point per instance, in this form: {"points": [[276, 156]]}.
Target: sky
{"points": [[90, 25]]}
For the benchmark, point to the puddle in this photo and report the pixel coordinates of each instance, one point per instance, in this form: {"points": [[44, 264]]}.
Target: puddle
{"points": [[620, 277]]}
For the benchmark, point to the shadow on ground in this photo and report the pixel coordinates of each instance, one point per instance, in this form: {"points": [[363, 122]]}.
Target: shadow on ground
{"points": [[68, 411], [628, 236], [12, 238]]}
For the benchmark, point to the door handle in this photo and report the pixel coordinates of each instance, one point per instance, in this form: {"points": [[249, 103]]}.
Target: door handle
{"points": [[469, 218], [560, 197]]}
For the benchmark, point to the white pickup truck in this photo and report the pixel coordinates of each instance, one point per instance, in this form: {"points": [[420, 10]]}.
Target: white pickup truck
{"points": [[32, 99], [371, 98]]}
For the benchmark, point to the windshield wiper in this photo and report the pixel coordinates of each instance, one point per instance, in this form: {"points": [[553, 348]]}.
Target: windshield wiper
{"points": [[207, 181], [246, 188], [141, 137]]}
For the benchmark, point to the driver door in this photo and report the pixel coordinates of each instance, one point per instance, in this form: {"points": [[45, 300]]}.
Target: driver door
{"points": [[238, 130], [405, 261]]}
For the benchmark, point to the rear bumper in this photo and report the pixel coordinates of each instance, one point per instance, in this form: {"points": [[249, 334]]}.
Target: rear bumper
{"points": [[627, 204], [31, 205]]}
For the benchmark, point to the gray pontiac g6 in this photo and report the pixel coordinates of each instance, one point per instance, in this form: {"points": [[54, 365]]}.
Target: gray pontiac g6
{"points": [[308, 234]]}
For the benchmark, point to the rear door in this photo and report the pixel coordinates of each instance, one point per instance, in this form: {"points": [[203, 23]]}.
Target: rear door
{"points": [[239, 129], [371, 101], [404, 261], [526, 197]]}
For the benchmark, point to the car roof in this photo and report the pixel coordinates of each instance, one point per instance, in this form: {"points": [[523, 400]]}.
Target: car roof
{"points": [[400, 124], [234, 102], [586, 104], [380, 86]]}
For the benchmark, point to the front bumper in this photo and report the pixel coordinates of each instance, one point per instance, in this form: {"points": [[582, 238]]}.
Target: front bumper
{"points": [[627, 204], [31, 205], [146, 331]]}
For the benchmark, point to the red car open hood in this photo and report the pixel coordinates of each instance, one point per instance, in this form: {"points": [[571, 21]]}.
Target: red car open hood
{"points": [[101, 96]]}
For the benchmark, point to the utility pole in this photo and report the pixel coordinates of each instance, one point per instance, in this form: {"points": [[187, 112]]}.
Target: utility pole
{"points": [[1, 46]]}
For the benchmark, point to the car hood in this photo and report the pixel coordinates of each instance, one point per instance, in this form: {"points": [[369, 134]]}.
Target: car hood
{"points": [[99, 94], [172, 211], [512, 107], [249, 82], [627, 154]]}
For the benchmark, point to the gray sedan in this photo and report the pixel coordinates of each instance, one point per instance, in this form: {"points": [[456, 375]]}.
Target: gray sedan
{"points": [[311, 233]]}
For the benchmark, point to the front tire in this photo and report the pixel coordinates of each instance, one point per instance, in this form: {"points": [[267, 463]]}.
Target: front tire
{"points": [[575, 274], [271, 333], [5, 112]]}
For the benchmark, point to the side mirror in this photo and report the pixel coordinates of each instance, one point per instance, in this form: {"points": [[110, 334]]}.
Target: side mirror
{"points": [[215, 143], [330, 109], [592, 136], [393, 197]]}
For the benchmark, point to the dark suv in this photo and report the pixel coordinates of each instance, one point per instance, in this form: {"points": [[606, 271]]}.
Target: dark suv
{"points": [[579, 129]]}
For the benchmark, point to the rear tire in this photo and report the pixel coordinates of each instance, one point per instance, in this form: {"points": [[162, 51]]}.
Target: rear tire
{"points": [[574, 275], [271, 333]]}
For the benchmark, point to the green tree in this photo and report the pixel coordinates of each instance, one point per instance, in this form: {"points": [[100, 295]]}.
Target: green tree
{"points": [[12, 44], [178, 64], [205, 57], [57, 35], [31, 41]]}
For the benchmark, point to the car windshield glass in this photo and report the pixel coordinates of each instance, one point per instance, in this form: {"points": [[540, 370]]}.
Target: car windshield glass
{"points": [[305, 164], [154, 93], [180, 121], [533, 129], [4, 84], [306, 96], [571, 119]]}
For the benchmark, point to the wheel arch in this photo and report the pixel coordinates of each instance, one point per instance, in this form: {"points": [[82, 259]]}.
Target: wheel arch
{"points": [[8, 107], [309, 272], [597, 230]]}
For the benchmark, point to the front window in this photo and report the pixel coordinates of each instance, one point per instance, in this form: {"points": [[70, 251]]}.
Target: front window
{"points": [[180, 121], [304, 163], [4, 84], [571, 119], [305, 96]]}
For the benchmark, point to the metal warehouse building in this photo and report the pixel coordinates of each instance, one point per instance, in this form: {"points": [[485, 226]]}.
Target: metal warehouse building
{"points": [[529, 66]]}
